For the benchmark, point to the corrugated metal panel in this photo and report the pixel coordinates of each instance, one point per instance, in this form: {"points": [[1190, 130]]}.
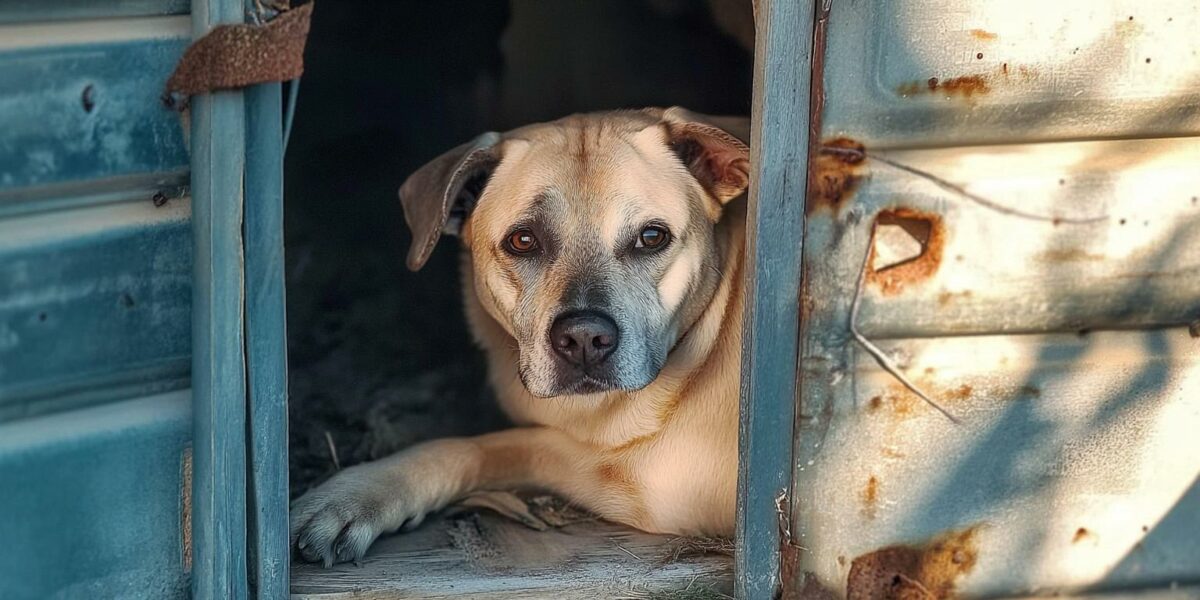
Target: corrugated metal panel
{"points": [[1038, 291], [93, 502], [1075, 464], [1137, 266], [89, 108], [939, 72], [26, 11], [95, 300], [95, 286]]}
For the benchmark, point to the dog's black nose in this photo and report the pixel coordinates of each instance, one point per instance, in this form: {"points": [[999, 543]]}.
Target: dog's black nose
{"points": [[584, 338]]}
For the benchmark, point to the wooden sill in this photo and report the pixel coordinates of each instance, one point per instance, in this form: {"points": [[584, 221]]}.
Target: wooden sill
{"points": [[486, 556]]}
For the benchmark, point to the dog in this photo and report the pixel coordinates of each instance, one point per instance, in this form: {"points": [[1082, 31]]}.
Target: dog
{"points": [[601, 263]]}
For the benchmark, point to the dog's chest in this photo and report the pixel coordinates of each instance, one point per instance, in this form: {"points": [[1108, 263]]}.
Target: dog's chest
{"points": [[686, 478]]}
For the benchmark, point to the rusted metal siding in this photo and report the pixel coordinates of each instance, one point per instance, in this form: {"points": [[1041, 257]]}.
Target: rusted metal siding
{"points": [[1039, 207], [95, 303], [913, 73]]}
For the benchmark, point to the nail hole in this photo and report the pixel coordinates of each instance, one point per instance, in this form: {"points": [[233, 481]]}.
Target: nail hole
{"points": [[159, 199], [41, 317], [87, 98], [127, 301]]}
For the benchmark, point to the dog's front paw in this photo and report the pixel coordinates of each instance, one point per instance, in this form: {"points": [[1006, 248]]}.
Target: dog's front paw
{"points": [[338, 521]]}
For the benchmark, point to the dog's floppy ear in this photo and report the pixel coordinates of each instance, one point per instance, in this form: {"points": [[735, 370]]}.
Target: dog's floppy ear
{"points": [[440, 195], [713, 149]]}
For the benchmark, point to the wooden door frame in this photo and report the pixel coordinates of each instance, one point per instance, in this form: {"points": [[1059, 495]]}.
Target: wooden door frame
{"points": [[784, 101]]}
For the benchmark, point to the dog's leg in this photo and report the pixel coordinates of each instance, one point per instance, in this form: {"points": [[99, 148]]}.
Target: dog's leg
{"points": [[338, 520]]}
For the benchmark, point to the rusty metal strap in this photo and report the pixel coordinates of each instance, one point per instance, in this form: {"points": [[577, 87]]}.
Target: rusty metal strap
{"points": [[235, 56]]}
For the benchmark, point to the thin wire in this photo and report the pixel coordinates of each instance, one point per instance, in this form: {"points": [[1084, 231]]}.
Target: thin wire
{"points": [[961, 191], [293, 92], [874, 350]]}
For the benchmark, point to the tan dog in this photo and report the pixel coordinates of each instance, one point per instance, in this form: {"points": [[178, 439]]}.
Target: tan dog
{"points": [[602, 276]]}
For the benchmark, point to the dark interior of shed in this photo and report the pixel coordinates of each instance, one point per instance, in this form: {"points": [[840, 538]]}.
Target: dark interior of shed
{"points": [[380, 357]]}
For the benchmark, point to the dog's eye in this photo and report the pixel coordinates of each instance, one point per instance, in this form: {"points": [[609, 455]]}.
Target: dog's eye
{"points": [[653, 238], [521, 241]]}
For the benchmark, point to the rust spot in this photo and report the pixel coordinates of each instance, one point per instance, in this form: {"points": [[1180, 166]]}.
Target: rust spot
{"points": [[841, 560], [946, 298], [1004, 69], [965, 86], [870, 497], [928, 571], [983, 34], [1031, 391], [835, 173], [929, 370], [961, 392], [1080, 534], [906, 90], [1067, 255], [875, 402], [902, 404], [927, 229]]}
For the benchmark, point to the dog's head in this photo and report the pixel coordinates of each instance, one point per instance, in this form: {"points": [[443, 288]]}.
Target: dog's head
{"points": [[591, 238]]}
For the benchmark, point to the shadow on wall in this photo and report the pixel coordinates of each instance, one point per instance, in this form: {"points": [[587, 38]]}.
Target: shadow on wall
{"points": [[379, 357]]}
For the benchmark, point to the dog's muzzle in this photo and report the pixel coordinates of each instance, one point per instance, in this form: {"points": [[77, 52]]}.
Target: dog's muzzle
{"points": [[584, 339]]}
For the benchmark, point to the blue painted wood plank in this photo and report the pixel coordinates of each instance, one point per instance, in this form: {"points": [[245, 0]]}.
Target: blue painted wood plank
{"points": [[26, 11], [266, 342], [92, 502], [87, 111], [95, 304], [218, 359], [779, 155]]}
